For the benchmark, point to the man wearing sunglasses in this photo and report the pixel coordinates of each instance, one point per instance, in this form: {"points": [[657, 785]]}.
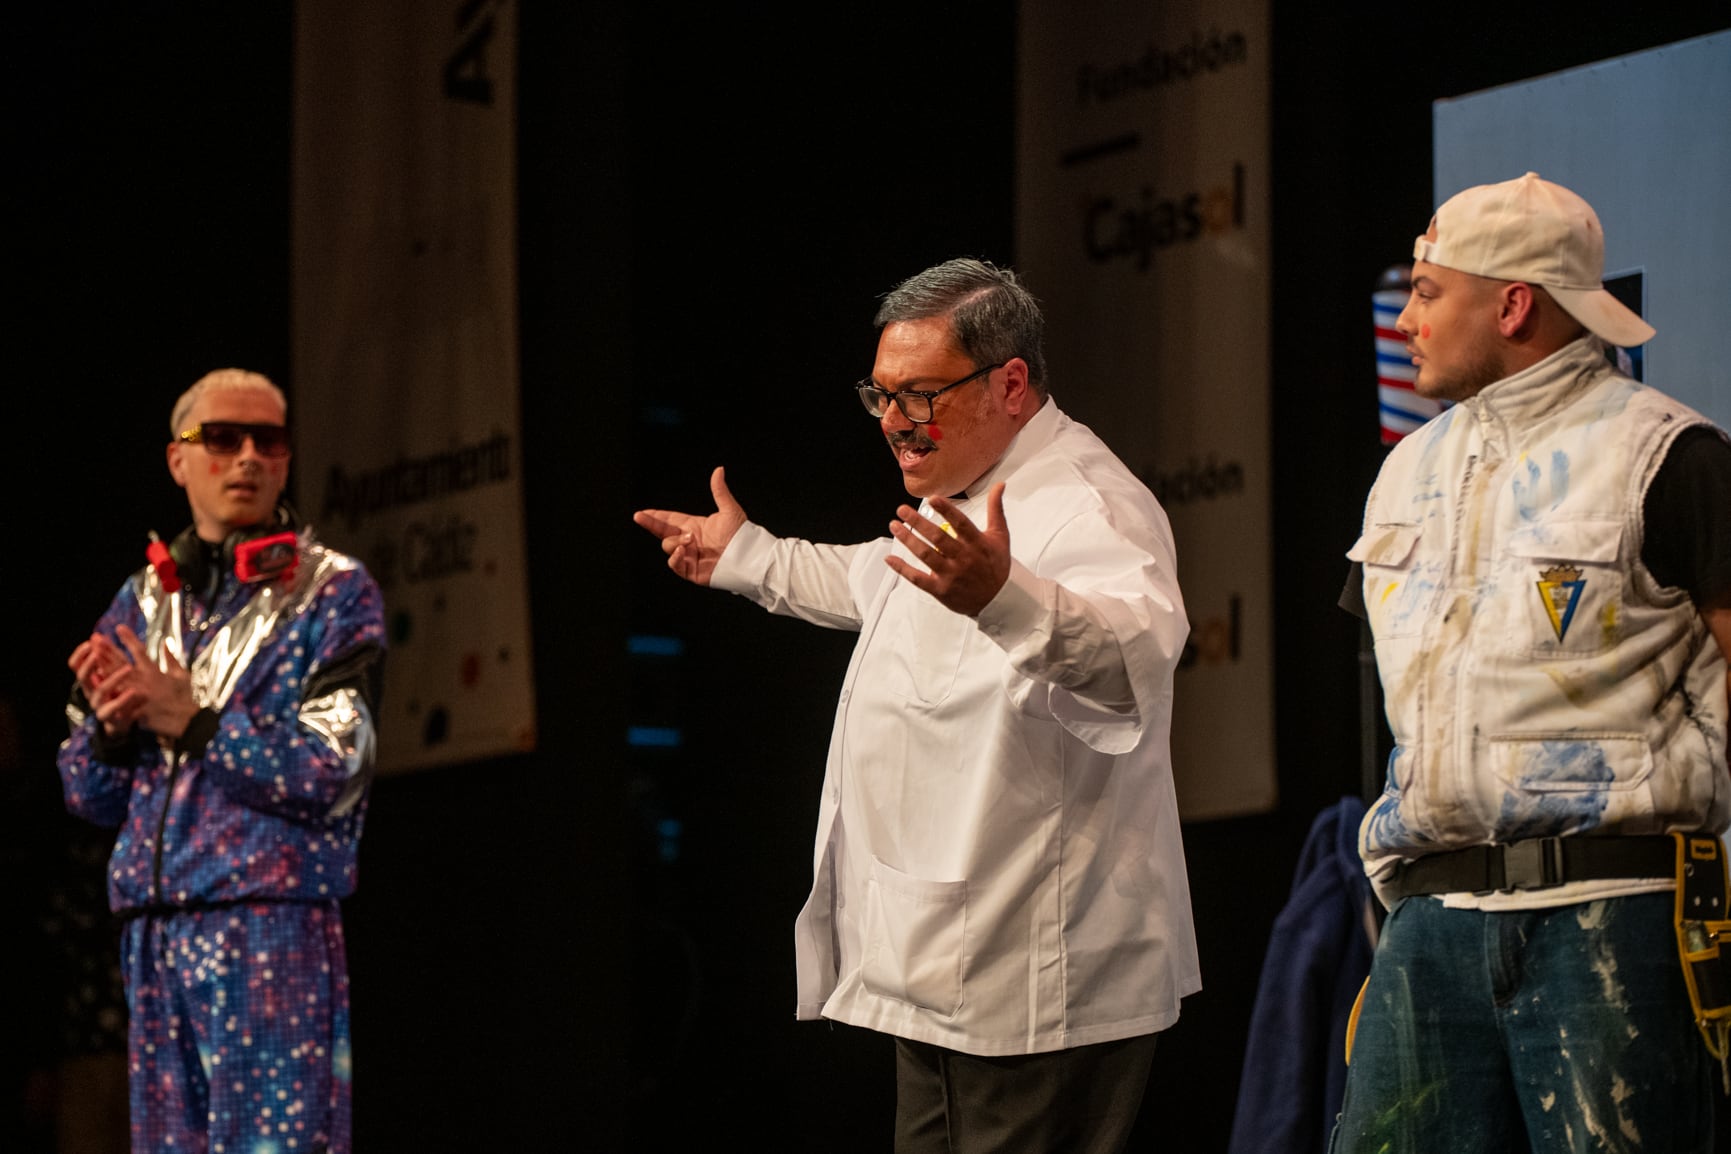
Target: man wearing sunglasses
{"points": [[1000, 881], [221, 718]]}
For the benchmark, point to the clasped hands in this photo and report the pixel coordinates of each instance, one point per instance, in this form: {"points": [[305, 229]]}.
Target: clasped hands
{"points": [[964, 568], [127, 688]]}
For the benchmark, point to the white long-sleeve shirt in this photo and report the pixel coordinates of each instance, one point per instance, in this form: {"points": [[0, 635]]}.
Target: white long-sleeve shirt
{"points": [[998, 866]]}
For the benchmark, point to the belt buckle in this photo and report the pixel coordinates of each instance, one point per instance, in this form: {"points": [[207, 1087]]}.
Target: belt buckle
{"points": [[1534, 864]]}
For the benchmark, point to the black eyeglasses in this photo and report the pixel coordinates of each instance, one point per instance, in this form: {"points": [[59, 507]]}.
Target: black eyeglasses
{"points": [[915, 404], [224, 438]]}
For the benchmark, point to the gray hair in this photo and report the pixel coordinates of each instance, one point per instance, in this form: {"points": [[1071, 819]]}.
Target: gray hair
{"points": [[991, 314], [221, 379]]}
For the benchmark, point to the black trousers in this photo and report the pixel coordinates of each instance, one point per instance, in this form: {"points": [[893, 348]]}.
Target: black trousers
{"points": [[1078, 1101]]}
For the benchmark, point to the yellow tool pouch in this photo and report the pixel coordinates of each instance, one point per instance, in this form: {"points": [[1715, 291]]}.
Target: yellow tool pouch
{"points": [[1704, 940]]}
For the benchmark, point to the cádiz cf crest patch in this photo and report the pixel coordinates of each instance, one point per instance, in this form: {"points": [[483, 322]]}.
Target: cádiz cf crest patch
{"points": [[1560, 590]]}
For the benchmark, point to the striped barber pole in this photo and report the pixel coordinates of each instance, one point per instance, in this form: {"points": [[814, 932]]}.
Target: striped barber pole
{"points": [[1401, 409]]}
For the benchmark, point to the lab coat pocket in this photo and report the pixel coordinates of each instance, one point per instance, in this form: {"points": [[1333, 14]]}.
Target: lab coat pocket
{"points": [[915, 939]]}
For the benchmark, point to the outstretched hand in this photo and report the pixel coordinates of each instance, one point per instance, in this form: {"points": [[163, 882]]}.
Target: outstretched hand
{"points": [[694, 543], [966, 569]]}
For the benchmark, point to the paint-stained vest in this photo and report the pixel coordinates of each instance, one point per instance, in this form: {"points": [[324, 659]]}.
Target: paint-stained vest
{"points": [[1538, 680]]}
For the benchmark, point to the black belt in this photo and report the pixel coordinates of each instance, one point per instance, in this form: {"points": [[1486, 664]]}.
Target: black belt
{"points": [[1535, 864]]}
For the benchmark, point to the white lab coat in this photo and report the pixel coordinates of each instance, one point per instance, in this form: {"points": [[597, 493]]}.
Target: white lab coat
{"points": [[998, 867]]}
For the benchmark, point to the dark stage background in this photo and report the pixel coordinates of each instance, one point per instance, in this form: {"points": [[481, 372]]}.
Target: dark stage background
{"points": [[710, 203]]}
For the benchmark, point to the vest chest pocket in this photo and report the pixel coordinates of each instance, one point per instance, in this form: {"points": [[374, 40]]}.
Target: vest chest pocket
{"points": [[1394, 596], [1563, 589]]}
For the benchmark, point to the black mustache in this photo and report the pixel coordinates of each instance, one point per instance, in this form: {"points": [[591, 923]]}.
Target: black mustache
{"points": [[914, 438]]}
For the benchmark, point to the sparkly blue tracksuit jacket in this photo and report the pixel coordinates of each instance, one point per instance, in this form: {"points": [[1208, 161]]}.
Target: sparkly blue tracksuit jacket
{"points": [[263, 797]]}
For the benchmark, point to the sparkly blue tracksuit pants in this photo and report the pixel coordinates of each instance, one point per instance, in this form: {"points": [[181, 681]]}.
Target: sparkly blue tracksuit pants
{"points": [[239, 1030]]}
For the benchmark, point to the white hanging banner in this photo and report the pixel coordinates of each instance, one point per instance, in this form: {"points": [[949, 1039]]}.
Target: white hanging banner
{"points": [[405, 392], [1142, 207]]}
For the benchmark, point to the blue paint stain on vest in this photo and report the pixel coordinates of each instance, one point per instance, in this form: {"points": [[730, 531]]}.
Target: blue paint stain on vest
{"points": [[1539, 808], [1559, 477], [1526, 493], [1575, 762], [1413, 596], [1387, 825], [1530, 492]]}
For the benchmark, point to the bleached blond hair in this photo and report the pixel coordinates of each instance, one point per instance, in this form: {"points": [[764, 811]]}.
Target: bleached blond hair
{"points": [[221, 379]]}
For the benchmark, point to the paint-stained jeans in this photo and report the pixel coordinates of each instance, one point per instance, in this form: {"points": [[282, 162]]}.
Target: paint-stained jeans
{"points": [[1566, 1029]]}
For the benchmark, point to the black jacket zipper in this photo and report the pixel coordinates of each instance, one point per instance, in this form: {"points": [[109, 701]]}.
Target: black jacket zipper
{"points": [[156, 894]]}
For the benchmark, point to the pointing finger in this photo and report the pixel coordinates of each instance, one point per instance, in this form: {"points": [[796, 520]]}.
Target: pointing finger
{"points": [[660, 522]]}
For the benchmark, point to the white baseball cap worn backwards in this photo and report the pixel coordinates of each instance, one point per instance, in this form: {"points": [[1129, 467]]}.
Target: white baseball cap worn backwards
{"points": [[1534, 231]]}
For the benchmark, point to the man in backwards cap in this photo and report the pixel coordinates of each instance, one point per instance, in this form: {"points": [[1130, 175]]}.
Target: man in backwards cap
{"points": [[1547, 570]]}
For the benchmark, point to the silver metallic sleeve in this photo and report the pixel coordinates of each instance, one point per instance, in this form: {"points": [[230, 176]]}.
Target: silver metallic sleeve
{"points": [[343, 722]]}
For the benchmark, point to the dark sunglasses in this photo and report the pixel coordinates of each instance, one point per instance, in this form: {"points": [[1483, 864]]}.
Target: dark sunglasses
{"points": [[224, 438]]}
